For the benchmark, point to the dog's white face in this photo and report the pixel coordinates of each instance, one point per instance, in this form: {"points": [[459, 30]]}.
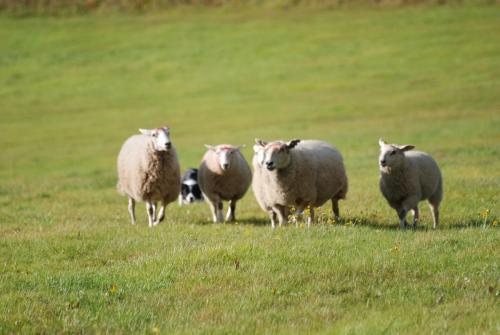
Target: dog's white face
{"points": [[190, 190]]}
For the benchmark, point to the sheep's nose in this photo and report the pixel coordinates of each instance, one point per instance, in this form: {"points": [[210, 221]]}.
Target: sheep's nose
{"points": [[382, 162], [225, 166], [168, 145], [269, 165]]}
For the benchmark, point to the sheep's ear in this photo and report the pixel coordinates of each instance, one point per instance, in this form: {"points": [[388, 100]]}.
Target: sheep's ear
{"points": [[257, 148], [146, 132], [210, 147], [241, 146], [381, 142], [406, 147], [260, 142], [292, 144]]}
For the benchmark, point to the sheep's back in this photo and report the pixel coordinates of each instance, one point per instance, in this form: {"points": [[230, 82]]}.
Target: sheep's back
{"points": [[428, 171], [132, 164], [329, 177]]}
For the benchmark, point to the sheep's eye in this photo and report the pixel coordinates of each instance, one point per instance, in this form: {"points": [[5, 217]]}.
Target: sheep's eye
{"points": [[392, 152], [155, 135]]}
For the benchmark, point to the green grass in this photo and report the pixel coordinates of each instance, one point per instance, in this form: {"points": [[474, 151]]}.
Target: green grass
{"points": [[71, 91]]}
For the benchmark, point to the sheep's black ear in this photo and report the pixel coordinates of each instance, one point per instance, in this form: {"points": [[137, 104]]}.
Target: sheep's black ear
{"points": [[292, 144], [406, 147], [260, 142]]}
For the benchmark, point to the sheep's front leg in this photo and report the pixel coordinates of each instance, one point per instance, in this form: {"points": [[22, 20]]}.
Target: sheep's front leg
{"points": [[154, 212], [150, 208], [213, 209], [216, 208], [408, 204], [131, 209], [402, 218], [231, 211], [280, 212], [161, 214]]}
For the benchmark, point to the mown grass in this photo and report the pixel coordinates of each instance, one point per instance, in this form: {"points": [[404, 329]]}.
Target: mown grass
{"points": [[71, 90]]}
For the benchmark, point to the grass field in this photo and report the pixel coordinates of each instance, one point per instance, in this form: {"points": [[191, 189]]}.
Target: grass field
{"points": [[72, 89]]}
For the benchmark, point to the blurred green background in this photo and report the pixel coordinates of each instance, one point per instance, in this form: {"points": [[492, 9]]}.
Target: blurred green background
{"points": [[72, 89]]}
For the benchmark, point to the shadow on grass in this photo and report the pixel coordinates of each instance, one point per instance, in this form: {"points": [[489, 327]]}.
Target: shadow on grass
{"points": [[422, 226], [255, 221], [364, 222]]}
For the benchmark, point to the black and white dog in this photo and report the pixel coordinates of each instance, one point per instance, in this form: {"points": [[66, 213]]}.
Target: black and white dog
{"points": [[190, 190]]}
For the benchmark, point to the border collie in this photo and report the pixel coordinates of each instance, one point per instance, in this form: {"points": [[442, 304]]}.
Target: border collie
{"points": [[190, 190]]}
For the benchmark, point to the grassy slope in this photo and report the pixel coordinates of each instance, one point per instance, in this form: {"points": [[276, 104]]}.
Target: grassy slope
{"points": [[71, 90]]}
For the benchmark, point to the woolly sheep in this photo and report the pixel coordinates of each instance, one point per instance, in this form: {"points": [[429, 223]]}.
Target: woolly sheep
{"points": [[297, 174], [408, 177], [224, 174], [148, 171]]}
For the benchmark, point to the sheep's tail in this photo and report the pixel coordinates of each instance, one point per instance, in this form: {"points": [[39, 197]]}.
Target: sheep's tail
{"points": [[342, 193]]}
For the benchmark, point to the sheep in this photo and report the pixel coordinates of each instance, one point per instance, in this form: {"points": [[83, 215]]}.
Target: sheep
{"points": [[298, 174], [224, 174], [408, 177], [148, 171]]}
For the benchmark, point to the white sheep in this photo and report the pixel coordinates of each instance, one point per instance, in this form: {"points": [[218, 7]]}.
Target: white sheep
{"points": [[224, 174], [300, 174], [148, 171], [408, 177]]}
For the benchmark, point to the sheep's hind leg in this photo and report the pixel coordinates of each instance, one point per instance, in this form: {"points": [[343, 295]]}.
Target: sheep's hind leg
{"points": [[310, 218], [131, 209], [435, 214], [272, 215], [335, 208], [231, 211], [415, 217], [161, 214], [150, 208]]}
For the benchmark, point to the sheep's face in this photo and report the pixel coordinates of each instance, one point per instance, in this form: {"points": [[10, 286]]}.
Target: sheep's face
{"points": [[274, 155], [160, 138], [392, 155], [225, 154]]}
